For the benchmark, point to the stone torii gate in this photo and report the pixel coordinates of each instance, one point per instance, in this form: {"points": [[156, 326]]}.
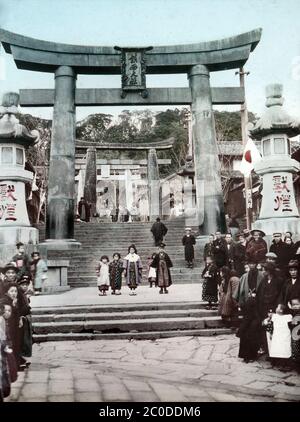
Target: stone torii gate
{"points": [[66, 61], [152, 165]]}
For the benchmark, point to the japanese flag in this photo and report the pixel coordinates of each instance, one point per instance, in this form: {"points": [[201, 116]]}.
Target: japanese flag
{"points": [[251, 156]]}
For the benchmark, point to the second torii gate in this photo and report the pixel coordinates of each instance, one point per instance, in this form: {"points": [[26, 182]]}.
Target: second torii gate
{"points": [[66, 61]]}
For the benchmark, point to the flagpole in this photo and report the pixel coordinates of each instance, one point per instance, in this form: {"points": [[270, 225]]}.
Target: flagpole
{"points": [[244, 123]]}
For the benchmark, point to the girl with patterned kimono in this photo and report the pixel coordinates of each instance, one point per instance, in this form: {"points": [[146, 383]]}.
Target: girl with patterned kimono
{"points": [[295, 332], [115, 274], [4, 372], [162, 263], [133, 269]]}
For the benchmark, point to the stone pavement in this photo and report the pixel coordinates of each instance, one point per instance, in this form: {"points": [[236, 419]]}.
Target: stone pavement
{"points": [[89, 296], [204, 369]]}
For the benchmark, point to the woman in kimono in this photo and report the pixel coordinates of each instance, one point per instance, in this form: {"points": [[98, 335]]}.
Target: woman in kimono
{"points": [[228, 307], [133, 269], [162, 263], [115, 274]]}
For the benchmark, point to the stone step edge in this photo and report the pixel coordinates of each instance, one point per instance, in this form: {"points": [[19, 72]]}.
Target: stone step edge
{"points": [[130, 315], [147, 335], [121, 322], [152, 306]]}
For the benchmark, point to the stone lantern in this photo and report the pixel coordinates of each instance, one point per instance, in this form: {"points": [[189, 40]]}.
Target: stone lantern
{"points": [[14, 140], [278, 211]]}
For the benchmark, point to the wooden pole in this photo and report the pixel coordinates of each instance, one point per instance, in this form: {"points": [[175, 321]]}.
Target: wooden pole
{"points": [[244, 123]]}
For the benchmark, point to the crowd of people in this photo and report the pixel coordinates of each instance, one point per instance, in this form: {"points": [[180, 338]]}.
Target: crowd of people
{"points": [[244, 277], [19, 279]]}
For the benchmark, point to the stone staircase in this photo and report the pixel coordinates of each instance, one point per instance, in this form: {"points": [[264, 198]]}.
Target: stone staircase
{"points": [[126, 321], [106, 238], [149, 320]]}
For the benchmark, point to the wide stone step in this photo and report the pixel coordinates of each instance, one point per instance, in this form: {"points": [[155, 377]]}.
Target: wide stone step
{"points": [[147, 324], [127, 307], [103, 316], [150, 335]]}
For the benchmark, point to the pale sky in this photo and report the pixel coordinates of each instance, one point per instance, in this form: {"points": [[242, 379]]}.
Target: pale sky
{"points": [[276, 59]]}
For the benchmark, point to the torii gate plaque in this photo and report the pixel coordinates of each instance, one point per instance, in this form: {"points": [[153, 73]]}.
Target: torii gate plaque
{"points": [[66, 61]]}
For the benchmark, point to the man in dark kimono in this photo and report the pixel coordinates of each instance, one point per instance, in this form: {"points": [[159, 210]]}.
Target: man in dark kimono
{"points": [[159, 230], [162, 263], [188, 242], [84, 210]]}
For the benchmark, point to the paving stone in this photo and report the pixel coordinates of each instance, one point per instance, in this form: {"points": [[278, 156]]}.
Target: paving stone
{"points": [[260, 385], [144, 396], [84, 385], [115, 393], [34, 390], [136, 385], [167, 392], [37, 376], [62, 398], [223, 397], [60, 387], [88, 397]]}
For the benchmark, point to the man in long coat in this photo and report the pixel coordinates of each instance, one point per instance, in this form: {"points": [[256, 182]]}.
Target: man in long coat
{"points": [[159, 230], [279, 247], [84, 210], [220, 250]]}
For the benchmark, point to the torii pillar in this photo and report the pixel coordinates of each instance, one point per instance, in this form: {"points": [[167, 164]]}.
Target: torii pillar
{"points": [[210, 205], [153, 184], [60, 210]]}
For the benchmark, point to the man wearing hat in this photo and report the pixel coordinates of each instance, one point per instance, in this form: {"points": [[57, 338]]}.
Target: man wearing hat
{"points": [[9, 272], [162, 263], [257, 248], [188, 242], [291, 288], [249, 283], [268, 291], [220, 250]]}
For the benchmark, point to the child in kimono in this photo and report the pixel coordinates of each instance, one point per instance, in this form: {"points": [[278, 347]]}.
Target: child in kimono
{"points": [[280, 348], [115, 274], [133, 269], [152, 271], [102, 271], [21, 260]]}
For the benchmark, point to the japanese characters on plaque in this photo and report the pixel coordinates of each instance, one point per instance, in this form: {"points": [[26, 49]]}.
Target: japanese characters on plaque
{"points": [[133, 68], [8, 201], [282, 194]]}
